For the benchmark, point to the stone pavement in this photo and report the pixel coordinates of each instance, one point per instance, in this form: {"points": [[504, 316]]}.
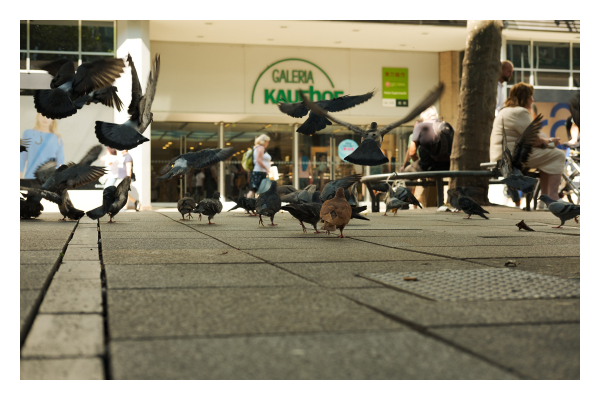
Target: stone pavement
{"points": [[153, 297]]}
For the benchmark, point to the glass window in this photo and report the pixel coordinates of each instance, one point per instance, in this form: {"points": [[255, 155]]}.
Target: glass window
{"points": [[519, 76], [89, 58], [576, 79], [576, 56], [39, 59], [23, 35], [54, 35], [551, 55], [551, 79], [97, 36], [23, 61], [518, 53]]}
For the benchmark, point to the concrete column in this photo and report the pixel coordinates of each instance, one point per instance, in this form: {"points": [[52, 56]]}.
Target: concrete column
{"points": [[222, 164], [449, 69], [296, 181], [133, 37]]}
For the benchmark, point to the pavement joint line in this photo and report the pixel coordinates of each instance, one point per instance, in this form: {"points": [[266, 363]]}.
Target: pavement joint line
{"points": [[28, 323], [106, 332], [41, 358], [504, 324], [425, 332], [213, 287], [251, 334]]}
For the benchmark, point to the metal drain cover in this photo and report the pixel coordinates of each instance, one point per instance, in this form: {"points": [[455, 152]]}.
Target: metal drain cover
{"points": [[479, 284]]}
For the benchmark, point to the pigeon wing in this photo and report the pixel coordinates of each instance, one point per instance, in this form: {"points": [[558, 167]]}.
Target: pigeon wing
{"points": [[80, 175], [427, 102], [92, 155], [62, 70], [345, 102], [296, 110], [96, 75], [206, 157], [136, 92], [525, 142], [45, 171], [145, 105], [322, 113]]}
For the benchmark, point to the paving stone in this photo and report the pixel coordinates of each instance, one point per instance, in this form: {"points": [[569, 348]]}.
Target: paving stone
{"points": [[354, 253], [503, 251], [78, 270], [65, 335], [320, 243], [194, 312], [81, 253], [68, 368], [429, 313], [191, 234], [198, 275], [299, 234], [561, 267], [152, 226], [109, 244], [84, 236], [345, 274], [39, 256], [33, 276], [82, 296], [47, 244], [536, 351], [28, 298], [373, 355], [186, 256]]}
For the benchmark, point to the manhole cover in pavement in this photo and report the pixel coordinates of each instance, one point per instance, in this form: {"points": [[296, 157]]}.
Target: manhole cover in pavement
{"points": [[479, 284]]}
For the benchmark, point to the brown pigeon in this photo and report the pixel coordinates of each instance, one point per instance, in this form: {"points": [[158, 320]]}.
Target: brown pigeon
{"points": [[336, 212]]}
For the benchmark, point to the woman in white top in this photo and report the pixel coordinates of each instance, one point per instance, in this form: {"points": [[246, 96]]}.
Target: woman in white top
{"points": [[262, 163], [516, 117], [111, 162]]}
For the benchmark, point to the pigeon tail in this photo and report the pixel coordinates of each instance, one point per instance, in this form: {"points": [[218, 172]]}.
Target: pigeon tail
{"points": [[53, 103], [96, 213], [120, 137], [367, 153]]}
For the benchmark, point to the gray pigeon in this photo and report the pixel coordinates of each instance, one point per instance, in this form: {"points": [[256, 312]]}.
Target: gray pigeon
{"points": [[69, 87], [315, 122], [72, 176], [185, 206], [300, 196], [184, 163], [404, 195], [285, 190], [562, 209], [113, 200], [330, 188], [209, 207], [31, 206], [305, 212], [66, 207], [268, 204], [48, 169], [128, 135], [468, 205], [369, 151], [392, 203], [243, 202]]}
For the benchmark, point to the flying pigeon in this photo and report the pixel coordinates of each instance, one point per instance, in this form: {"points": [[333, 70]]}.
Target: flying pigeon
{"points": [[185, 205], [128, 135], [31, 206], [512, 163], [66, 207], [468, 205], [315, 122], [72, 176], [369, 151], [70, 90], [562, 209], [184, 163], [330, 188], [305, 212], [209, 207], [114, 199], [336, 213], [268, 203]]}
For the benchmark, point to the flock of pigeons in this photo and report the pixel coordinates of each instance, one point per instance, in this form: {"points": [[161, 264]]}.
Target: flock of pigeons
{"points": [[92, 82]]}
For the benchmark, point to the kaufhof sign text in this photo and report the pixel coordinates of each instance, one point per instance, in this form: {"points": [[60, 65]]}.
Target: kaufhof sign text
{"points": [[279, 82]]}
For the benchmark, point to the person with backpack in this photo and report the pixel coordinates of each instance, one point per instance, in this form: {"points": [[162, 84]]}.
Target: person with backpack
{"points": [[433, 139], [261, 163]]}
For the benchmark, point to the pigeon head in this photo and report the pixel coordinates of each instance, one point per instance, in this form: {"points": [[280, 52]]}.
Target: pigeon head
{"points": [[373, 126], [461, 190], [216, 195], [340, 193]]}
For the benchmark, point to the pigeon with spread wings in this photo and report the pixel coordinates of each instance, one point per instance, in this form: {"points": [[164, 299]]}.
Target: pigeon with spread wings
{"points": [[128, 135], [369, 151], [512, 163], [184, 163], [70, 90], [316, 122]]}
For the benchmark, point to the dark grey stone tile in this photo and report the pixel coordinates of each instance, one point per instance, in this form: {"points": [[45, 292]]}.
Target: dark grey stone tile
{"points": [[196, 312], [28, 298], [33, 276], [198, 275], [352, 253], [225, 255], [202, 242], [464, 252], [372, 355], [536, 351], [561, 267], [39, 256], [428, 313], [42, 244]]}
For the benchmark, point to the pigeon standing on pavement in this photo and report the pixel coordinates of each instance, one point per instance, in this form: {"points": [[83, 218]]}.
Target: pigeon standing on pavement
{"points": [[316, 122], [66, 207], [114, 199], [404, 194], [468, 205], [209, 207], [392, 203], [330, 188], [562, 209], [369, 151], [268, 204], [185, 205], [336, 213], [242, 202], [128, 135], [305, 212], [182, 164], [70, 90]]}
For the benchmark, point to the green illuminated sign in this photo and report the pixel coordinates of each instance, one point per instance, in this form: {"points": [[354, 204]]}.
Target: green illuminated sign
{"points": [[394, 87], [305, 75]]}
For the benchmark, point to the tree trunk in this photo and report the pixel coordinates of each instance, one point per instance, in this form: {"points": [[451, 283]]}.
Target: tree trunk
{"points": [[478, 90]]}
